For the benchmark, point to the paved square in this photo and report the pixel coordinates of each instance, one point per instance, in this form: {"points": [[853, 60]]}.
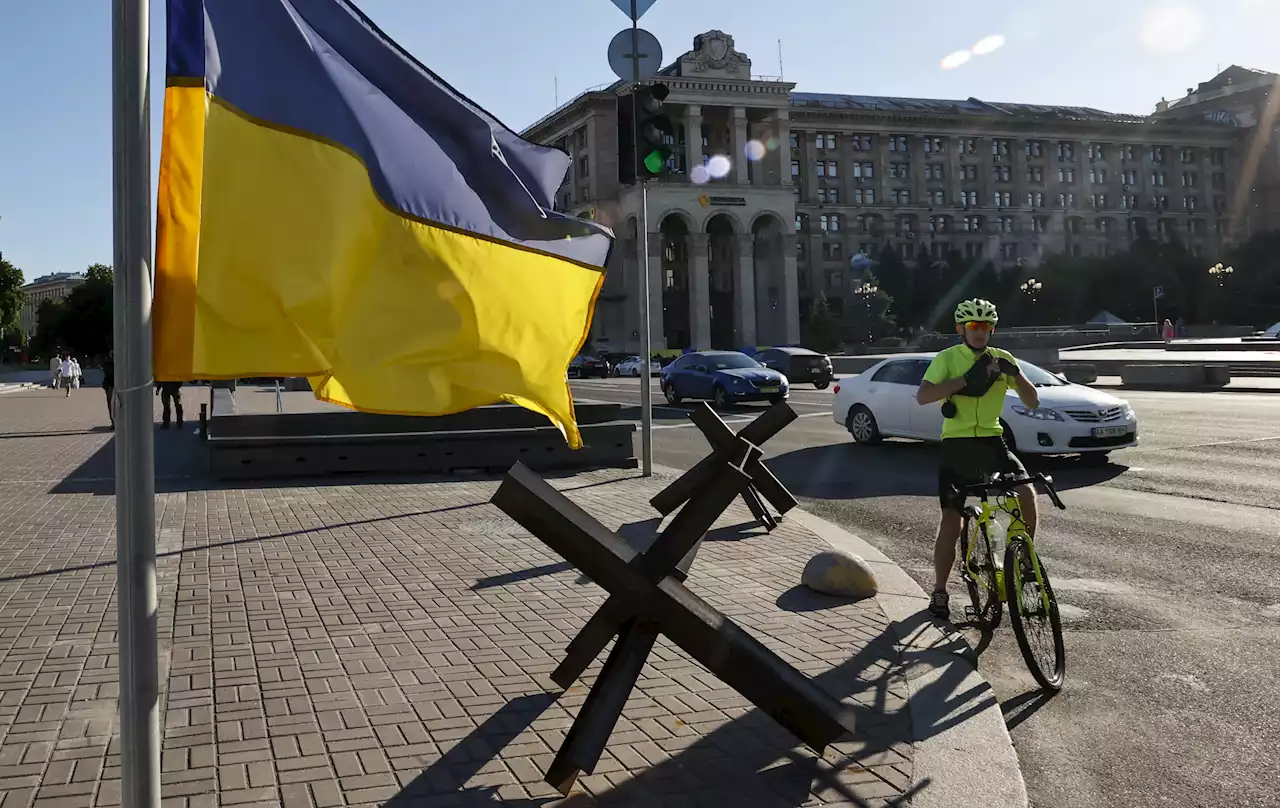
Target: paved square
{"points": [[389, 643]]}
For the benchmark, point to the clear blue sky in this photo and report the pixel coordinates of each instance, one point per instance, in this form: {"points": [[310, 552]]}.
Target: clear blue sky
{"points": [[1120, 55]]}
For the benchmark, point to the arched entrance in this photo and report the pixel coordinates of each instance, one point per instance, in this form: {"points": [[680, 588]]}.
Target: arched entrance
{"points": [[675, 282], [720, 266], [770, 275]]}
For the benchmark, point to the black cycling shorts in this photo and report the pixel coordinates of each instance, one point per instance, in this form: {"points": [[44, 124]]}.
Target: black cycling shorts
{"points": [[969, 461]]}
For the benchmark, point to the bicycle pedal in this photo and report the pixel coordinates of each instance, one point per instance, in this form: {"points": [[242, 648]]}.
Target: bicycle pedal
{"points": [[969, 611]]}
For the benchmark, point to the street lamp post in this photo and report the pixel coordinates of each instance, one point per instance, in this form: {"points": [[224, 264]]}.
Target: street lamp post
{"points": [[1031, 287], [1220, 273], [866, 291]]}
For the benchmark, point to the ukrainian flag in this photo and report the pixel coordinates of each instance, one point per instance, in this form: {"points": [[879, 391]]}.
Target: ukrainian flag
{"points": [[331, 208]]}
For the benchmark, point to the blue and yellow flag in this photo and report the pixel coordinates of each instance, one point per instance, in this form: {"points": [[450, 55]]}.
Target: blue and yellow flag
{"points": [[331, 208]]}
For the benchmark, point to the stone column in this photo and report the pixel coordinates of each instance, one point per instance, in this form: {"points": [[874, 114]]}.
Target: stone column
{"points": [[699, 293], [744, 292], [657, 334], [741, 175], [693, 137], [790, 302], [782, 132]]}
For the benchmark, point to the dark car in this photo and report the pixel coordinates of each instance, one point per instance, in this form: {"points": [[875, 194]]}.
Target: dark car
{"points": [[725, 377], [583, 366], [799, 365]]}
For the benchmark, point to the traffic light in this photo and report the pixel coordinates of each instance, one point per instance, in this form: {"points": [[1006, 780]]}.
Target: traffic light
{"points": [[654, 127]]}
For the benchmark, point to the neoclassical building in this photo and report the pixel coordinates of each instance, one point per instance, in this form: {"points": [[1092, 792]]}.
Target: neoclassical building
{"points": [[801, 183]]}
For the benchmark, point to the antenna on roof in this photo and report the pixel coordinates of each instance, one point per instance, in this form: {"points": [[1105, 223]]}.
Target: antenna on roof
{"points": [[781, 75]]}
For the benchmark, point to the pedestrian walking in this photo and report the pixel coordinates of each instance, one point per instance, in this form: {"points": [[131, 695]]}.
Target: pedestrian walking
{"points": [[109, 384], [64, 375], [75, 373], [169, 392], [55, 370], [1168, 331]]}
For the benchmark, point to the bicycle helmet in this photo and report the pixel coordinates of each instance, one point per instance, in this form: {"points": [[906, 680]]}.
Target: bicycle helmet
{"points": [[977, 310]]}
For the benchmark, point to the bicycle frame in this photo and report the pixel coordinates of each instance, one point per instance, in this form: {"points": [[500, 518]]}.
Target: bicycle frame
{"points": [[1017, 530]]}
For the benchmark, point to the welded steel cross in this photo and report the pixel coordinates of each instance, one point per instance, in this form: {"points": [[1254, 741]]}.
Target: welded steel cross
{"points": [[726, 444], [647, 597]]}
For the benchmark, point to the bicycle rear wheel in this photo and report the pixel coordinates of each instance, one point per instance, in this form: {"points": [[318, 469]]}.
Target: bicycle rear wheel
{"points": [[1034, 616], [979, 574]]}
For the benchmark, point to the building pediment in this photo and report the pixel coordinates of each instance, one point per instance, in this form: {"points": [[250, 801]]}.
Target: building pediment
{"points": [[714, 56]]}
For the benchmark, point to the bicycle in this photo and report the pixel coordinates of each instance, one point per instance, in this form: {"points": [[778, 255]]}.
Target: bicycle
{"points": [[987, 581]]}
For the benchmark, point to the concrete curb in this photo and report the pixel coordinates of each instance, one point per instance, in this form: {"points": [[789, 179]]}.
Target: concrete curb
{"points": [[963, 754]]}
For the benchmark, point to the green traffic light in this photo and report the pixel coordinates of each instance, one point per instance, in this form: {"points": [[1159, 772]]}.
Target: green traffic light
{"points": [[654, 162]]}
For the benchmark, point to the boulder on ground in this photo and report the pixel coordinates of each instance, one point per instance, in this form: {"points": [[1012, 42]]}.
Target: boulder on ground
{"points": [[835, 572]]}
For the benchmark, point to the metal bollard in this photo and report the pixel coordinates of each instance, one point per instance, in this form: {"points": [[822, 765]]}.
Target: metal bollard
{"points": [[204, 421]]}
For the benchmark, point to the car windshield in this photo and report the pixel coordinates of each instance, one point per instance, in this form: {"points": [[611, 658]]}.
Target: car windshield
{"points": [[1039, 376], [731, 361]]}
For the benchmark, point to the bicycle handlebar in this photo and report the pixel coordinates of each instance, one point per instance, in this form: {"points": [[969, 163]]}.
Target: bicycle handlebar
{"points": [[1005, 485]]}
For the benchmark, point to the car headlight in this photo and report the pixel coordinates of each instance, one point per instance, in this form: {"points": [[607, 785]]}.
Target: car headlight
{"points": [[1126, 410], [1038, 413]]}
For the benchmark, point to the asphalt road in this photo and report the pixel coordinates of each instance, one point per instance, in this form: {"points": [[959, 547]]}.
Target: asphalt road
{"points": [[1166, 563]]}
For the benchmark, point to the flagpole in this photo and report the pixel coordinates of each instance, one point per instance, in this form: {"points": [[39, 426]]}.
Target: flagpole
{"points": [[134, 440]]}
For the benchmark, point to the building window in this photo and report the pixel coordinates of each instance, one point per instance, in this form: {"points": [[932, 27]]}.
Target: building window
{"points": [[1066, 201], [969, 173], [831, 250], [900, 196], [1009, 251], [1218, 157], [1035, 200], [833, 168], [1098, 176], [1098, 201], [1001, 173], [1158, 178], [967, 145], [1066, 151], [795, 168], [1067, 176], [863, 170], [934, 171], [933, 145], [1002, 199], [937, 197], [1104, 226], [821, 168], [823, 222], [939, 224], [833, 195], [1039, 224], [969, 198], [898, 144], [1073, 226], [864, 196], [860, 142], [971, 224], [1005, 224], [1189, 179], [1097, 152], [795, 141], [802, 223], [1035, 174], [822, 196], [1035, 148], [1189, 203], [1157, 154], [1187, 155], [1000, 147], [898, 170], [972, 250], [1128, 153], [1129, 177]]}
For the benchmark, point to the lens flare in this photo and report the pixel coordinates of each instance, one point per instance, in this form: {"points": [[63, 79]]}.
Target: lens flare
{"points": [[754, 150], [771, 144], [718, 166], [700, 175], [988, 44], [953, 60]]}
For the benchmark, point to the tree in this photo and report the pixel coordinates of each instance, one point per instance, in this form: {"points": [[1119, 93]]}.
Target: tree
{"points": [[823, 330], [87, 323], [11, 296], [45, 342], [867, 317]]}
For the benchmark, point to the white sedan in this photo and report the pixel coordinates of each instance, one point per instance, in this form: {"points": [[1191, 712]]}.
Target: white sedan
{"points": [[631, 367], [1071, 418]]}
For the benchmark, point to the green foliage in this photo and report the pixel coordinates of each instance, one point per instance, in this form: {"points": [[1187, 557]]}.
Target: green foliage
{"points": [[823, 330], [11, 297], [82, 322]]}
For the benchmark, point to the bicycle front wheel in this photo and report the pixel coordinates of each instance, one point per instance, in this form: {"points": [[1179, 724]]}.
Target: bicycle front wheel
{"points": [[1033, 613], [978, 569]]}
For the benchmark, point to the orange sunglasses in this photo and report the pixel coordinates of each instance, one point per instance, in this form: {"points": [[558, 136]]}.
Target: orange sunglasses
{"points": [[978, 325]]}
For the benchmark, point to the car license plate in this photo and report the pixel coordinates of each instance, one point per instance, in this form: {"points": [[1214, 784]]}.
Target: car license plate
{"points": [[768, 389], [1109, 431]]}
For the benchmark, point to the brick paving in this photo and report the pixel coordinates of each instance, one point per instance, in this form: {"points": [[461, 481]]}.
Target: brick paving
{"points": [[389, 643]]}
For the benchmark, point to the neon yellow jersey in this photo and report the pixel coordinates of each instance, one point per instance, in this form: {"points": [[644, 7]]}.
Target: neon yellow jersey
{"points": [[975, 417]]}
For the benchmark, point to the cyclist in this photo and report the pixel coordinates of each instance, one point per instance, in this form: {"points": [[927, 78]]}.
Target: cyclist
{"points": [[971, 380]]}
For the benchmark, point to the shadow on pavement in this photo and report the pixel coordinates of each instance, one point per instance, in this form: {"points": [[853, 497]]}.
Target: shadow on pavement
{"points": [[753, 761], [801, 598], [902, 468], [59, 434], [1021, 707]]}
